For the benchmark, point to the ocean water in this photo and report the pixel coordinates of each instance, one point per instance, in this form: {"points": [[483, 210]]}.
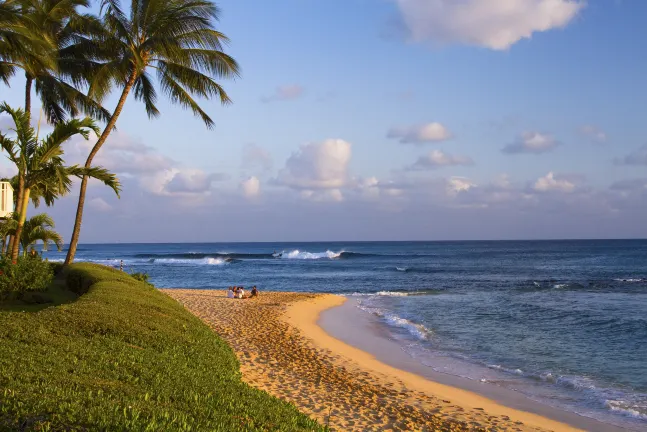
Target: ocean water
{"points": [[563, 322]]}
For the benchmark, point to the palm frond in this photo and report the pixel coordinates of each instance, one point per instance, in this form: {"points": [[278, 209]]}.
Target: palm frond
{"points": [[178, 95], [98, 173], [40, 228], [145, 91]]}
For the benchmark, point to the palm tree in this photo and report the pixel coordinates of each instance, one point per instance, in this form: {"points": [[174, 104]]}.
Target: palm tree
{"points": [[37, 43], [39, 228], [176, 39], [40, 163], [7, 228]]}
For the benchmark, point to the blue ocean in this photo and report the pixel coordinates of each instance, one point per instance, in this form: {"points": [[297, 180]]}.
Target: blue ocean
{"points": [[563, 322]]}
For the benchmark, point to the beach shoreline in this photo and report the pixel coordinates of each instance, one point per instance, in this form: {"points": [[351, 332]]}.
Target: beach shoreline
{"points": [[364, 331], [283, 350]]}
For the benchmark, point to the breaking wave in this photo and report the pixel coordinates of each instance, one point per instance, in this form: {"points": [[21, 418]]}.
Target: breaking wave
{"points": [[203, 261], [199, 255], [398, 293], [293, 254], [419, 331], [419, 270]]}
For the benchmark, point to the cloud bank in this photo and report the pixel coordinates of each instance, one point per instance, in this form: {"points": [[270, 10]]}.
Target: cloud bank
{"points": [[493, 24]]}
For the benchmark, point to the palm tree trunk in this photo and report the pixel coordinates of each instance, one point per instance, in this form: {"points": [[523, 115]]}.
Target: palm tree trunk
{"points": [[21, 222], [21, 182], [30, 80], [88, 163], [18, 206]]}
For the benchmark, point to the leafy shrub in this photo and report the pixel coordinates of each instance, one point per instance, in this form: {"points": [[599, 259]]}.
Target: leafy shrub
{"points": [[28, 274], [57, 267], [142, 277]]}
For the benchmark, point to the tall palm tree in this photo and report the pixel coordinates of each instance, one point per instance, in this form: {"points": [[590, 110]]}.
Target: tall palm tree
{"points": [[174, 38], [35, 36], [40, 163], [19, 39], [36, 42], [40, 228]]}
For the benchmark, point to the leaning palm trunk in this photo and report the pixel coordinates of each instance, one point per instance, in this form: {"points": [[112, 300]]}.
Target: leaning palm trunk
{"points": [[28, 84], [74, 241], [177, 39]]}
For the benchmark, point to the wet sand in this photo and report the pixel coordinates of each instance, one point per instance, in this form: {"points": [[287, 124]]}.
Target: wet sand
{"points": [[283, 351]]}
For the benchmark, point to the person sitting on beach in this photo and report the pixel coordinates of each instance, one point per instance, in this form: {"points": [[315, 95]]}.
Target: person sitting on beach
{"points": [[241, 293], [254, 292], [230, 292]]}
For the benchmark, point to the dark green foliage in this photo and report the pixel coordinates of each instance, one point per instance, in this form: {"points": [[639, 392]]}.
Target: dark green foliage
{"points": [[28, 274], [126, 357], [56, 267], [142, 277]]}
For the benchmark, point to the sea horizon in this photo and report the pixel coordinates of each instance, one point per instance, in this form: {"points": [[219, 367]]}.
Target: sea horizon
{"points": [[369, 241]]}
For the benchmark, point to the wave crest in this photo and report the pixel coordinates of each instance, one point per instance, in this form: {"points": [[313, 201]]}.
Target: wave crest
{"points": [[419, 331]]}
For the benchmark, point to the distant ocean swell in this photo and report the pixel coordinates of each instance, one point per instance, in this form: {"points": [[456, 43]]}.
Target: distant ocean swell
{"points": [[293, 254]]}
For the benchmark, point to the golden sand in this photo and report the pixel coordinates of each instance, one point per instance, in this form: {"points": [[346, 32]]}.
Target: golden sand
{"points": [[283, 351]]}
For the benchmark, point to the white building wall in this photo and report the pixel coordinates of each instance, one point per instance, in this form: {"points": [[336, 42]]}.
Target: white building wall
{"points": [[6, 199]]}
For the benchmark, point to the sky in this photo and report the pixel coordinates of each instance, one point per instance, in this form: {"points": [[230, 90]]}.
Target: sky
{"points": [[363, 120]]}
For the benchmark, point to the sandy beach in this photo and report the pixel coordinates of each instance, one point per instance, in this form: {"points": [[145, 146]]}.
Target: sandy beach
{"points": [[283, 351]]}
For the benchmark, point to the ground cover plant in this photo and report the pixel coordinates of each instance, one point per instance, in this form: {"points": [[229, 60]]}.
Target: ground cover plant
{"points": [[124, 356]]}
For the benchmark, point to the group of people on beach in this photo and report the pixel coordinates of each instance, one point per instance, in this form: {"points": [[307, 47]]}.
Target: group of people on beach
{"points": [[239, 292]]}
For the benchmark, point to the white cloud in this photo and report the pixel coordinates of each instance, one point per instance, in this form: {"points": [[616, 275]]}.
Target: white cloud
{"points": [[638, 157], [156, 173], [251, 187], [285, 93], [99, 204], [437, 159], [7, 169], [321, 165], [327, 195], [418, 134], [532, 142], [456, 185], [121, 154], [191, 181], [255, 156], [593, 133], [494, 24], [550, 183]]}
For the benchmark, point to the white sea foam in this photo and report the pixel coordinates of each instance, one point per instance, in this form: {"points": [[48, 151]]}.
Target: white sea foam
{"points": [[621, 407], [504, 369], [402, 269], [418, 330], [297, 254], [387, 294], [203, 261], [630, 280]]}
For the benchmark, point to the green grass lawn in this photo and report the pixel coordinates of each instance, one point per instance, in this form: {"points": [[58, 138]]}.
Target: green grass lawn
{"points": [[124, 356]]}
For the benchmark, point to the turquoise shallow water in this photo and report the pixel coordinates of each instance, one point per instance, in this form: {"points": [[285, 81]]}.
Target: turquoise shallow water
{"points": [[564, 322]]}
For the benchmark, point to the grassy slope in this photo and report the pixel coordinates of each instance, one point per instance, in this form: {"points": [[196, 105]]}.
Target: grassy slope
{"points": [[126, 357]]}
